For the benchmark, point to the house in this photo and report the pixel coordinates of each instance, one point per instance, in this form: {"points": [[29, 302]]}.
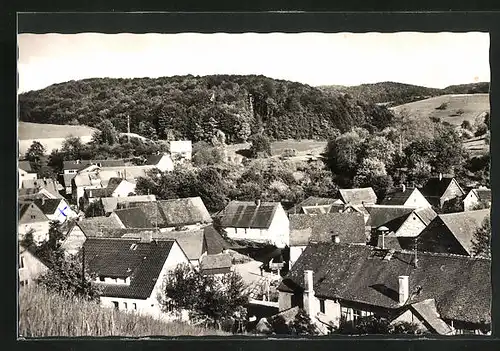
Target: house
{"points": [[131, 273], [216, 264], [405, 196], [75, 166], [452, 232], [265, 222], [55, 209], [402, 232], [50, 185], [358, 196], [25, 172], [111, 204], [181, 150], [476, 197], [185, 213], [126, 172], [315, 204], [32, 218], [334, 281], [439, 190], [30, 266], [214, 242], [162, 162], [343, 227], [116, 187], [36, 193], [80, 183]]}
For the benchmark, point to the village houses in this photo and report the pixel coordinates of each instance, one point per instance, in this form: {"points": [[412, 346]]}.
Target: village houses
{"points": [[336, 281], [55, 209], [438, 190], [25, 172], [32, 219], [161, 161], [405, 196], [358, 196], [475, 197], [30, 266], [263, 222], [315, 205]]}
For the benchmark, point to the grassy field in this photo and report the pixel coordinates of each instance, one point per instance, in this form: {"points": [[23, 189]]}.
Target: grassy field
{"points": [[42, 314], [303, 147], [457, 107], [28, 130]]}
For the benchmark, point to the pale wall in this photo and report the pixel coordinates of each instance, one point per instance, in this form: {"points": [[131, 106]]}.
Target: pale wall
{"points": [[411, 227], [23, 175], [41, 230], [74, 241], [295, 252], [410, 317], [124, 189], [33, 268], [470, 201], [417, 199]]}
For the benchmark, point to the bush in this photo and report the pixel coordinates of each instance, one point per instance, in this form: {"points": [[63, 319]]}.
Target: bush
{"points": [[443, 106]]}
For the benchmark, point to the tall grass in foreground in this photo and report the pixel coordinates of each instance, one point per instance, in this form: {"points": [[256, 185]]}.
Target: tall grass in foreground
{"points": [[45, 314]]}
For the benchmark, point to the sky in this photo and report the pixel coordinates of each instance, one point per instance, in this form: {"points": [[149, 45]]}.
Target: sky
{"points": [[429, 59]]}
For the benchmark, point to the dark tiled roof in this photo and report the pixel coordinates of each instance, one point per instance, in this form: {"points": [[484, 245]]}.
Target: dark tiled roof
{"points": [[25, 166], [83, 163], [435, 188], [242, 214], [464, 224], [426, 214], [397, 197], [48, 206], [134, 217], [350, 227], [93, 225], [130, 233], [113, 184], [428, 311], [184, 211], [190, 241], [97, 193], [389, 216], [116, 258], [214, 242], [153, 160], [358, 196], [112, 203], [216, 261], [312, 201], [460, 285]]}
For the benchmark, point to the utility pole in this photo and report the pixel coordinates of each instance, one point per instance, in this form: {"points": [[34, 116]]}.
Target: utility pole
{"points": [[83, 266], [128, 129]]}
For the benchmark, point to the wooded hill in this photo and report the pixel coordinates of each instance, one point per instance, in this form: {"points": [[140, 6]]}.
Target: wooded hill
{"points": [[195, 107], [399, 93]]}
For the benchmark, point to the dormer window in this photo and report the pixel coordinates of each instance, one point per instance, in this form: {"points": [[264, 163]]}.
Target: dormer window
{"points": [[133, 247]]}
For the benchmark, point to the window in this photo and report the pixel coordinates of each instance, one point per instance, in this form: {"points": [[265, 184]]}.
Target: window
{"points": [[21, 262], [33, 216], [345, 313], [115, 305], [125, 305], [23, 282], [134, 305], [101, 279], [322, 305], [356, 315]]}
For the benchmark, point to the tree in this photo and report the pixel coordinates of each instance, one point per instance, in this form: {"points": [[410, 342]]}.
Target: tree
{"points": [[481, 240], [146, 129], [28, 240], [95, 209], [363, 326], [106, 133], [453, 205], [209, 299], [72, 148], [35, 152], [261, 145], [302, 325], [50, 249], [66, 277]]}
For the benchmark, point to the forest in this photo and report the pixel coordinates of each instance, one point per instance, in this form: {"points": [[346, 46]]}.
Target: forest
{"points": [[189, 107]]}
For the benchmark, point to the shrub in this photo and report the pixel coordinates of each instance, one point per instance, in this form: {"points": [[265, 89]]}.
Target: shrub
{"points": [[443, 106]]}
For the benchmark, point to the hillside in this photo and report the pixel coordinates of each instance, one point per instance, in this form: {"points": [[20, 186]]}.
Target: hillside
{"points": [[44, 314], [453, 109], [399, 93], [194, 107]]}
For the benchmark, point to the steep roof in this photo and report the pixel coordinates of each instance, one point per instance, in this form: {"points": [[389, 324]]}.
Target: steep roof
{"points": [[428, 311], [48, 206], [80, 164], [483, 194], [464, 224], [25, 205], [191, 241], [184, 211], [350, 227], [113, 183], [435, 187], [134, 217], [246, 214], [389, 216], [460, 285], [25, 166], [214, 242], [93, 225], [117, 258], [111, 203], [398, 196], [50, 185], [426, 214], [216, 261], [358, 196], [313, 201]]}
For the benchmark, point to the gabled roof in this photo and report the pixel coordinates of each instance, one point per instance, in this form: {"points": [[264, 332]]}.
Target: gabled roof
{"points": [[111, 203], [134, 218], [49, 184], [118, 258], [460, 285], [464, 224], [216, 261], [483, 194], [428, 312], [93, 225], [214, 242], [390, 216], [48, 206], [426, 214], [358, 196], [313, 201], [25, 166], [33, 194], [246, 214], [24, 206], [153, 160], [79, 165], [435, 187], [350, 227], [398, 196], [191, 241]]}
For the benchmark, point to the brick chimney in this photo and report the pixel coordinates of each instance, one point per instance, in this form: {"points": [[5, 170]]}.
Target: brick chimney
{"points": [[309, 300], [403, 289]]}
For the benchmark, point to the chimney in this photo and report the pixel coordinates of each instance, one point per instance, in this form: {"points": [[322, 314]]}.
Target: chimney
{"points": [[309, 305], [257, 202], [403, 187], [403, 289], [43, 201], [440, 176]]}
